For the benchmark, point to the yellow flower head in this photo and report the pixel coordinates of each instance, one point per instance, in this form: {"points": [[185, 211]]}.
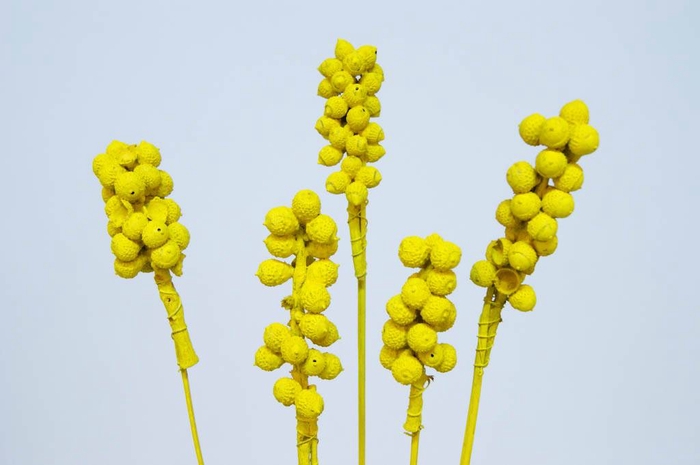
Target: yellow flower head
{"points": [[375, 152], [267, 359], [281, 221], [542, 227], [323, 271], [394, 335], [369, 176], [507, 280], [356, 146], [575, 112], [387, 356], [155, 234], [330, 155], [521, 256], [523, 299], [314, 296], [525, 206], [314, 326], [309, 404], [483, 273], [530, 128], [358, 118], [497, 251], [522, 177], [166, 256], [281, 246], [413, 252], [550, 163], [555, 132], [407, 369], [274, 335], [148, 154], [333, 367], [294, 350], [124, 248], [129, 186], [355, 94], [432, 358], [322, 229], [373, 105], [330, 66], [445, 255], [356, 193], [439, 312], [134, 226], [399, 312], [336, 107], [273, 272], [338, 182], [571, 180], [315, 363], [421, 337], [449, 358], [584, 140], [557, 203], [441, 282], [415, 293]]}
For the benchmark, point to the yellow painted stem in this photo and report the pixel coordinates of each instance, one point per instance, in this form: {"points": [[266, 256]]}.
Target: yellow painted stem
{"points": [[488, 325], [414, 448], [184, 352], [357, 221], [190, 413]]}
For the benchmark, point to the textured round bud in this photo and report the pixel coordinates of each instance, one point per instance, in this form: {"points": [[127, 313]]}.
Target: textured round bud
{"points": [[555, 132], [129, 269], [323, 271], [273, 272], [314, 327], [316, 250], [407, 369], [314, 296], [309, 404], [433, 357], [166, 185], [353, 63], [281, 221], [547, 247], [166, 256], [575, 112], [325, 89], [523, 299], [387, 356], [449, 358], [358, 118], [285, 390], [294, 350], [281, 246], [557, 204], [124, 248], [504, 215], [521, 256], [497, 251], [369, 176], [373, 105], [330, 66], [483, 273], [445, 255], [584, 140], [324, 125], [356, 146], [330, 155], [414, 293], [530, 128], [441, 282], [571, 180], [274, 335], [151, 177], [525, 206], [108, 172], [351, 165], [355, 94], [267, 359], [421, 337], [129, 186], [315, 363], [331, 336], [339, 136], [356, 193], [399, 312], [368, 54], [372, 82], [394, 335], [322, 229], [550, 163], [340, 80], [373, 133], [134, 225], [375, 152], [542, 227], [336, 107], [333, 367], [521, 177], [174, 212], [343, 48], [148, 154], [413, 251], [507, 280], [438, 311], [338, 182]]}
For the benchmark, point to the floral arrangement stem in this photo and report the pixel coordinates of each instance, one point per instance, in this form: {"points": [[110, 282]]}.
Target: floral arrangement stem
{"points": [[186, 356], [414, 448], [414, 415], [357, 221], [488, 325]]}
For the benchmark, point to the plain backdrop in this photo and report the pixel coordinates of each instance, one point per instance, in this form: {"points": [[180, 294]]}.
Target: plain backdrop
{"points": [[604, 371]]}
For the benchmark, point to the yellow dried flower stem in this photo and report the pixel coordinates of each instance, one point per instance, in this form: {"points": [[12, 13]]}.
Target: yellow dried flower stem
{"points": [[414, 415], [488, 325]]}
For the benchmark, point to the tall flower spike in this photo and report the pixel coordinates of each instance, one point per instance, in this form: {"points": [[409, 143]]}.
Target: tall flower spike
{"points": [[416, 316], [350, 83], [310, 236], [148, 237], [542, 194]]}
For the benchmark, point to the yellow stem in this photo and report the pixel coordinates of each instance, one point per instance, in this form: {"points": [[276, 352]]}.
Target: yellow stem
{"points": [[414, 448], [190, 413], [184, 352], [357, 221], [488, 325]]}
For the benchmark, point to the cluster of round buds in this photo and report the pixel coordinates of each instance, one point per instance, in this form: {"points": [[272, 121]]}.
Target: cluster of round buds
{"points": [[304, 232], [350, 83], [143, 223], [421, 311], [542, 195]]}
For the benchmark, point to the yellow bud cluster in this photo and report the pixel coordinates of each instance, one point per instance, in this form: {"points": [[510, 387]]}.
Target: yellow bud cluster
{"points": [[304, 233], [350, 83], [421, 311], [542, 194], [143, 223]]}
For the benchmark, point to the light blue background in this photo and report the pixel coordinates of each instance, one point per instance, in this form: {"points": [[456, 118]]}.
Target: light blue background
{"points": [[604, 371]]}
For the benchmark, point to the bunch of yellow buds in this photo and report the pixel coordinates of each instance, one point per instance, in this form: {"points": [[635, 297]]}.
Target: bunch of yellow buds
{"points": [[351, 81], [143, 223], [304, 232], [542, 194], [419, 313]]}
